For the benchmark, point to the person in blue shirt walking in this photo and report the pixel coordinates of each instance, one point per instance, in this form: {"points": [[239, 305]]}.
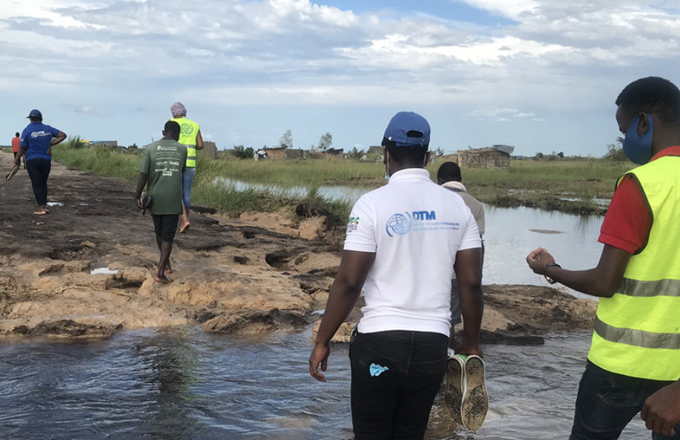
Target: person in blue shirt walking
{"points": [[37, 141]]}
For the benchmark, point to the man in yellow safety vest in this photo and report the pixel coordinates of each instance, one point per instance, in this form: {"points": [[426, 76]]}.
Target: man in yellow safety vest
{"points": [[634, 359], [190, 136]]}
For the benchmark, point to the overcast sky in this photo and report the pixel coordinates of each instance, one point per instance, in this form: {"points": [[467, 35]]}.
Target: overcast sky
{"points": [[541, 75]]}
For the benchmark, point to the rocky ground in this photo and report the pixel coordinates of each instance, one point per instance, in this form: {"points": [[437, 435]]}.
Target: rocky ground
{"points": [[261, 273]]}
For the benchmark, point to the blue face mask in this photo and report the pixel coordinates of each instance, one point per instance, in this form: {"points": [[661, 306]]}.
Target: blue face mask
{"points": [[639, 148]]}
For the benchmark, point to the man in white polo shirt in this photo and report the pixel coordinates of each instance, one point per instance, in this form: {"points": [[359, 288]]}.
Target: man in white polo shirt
{"points": [[403, 242]]}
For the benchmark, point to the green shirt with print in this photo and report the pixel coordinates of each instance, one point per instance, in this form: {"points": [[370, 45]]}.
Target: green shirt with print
{"points": [[164, 161]]}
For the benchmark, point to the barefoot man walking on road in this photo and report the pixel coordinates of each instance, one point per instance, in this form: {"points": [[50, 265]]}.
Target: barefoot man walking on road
{"points": [[161, 167]]}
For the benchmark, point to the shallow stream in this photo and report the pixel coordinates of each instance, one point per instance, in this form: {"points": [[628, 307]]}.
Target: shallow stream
{"points": [[184, 383]]}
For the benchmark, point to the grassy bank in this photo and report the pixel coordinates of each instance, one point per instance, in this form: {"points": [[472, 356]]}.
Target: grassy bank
{"points": [[106, 162], [560, 185]]}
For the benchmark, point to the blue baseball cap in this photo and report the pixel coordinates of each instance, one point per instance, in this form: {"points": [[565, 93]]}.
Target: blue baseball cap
{"points": [[407, 129], [35, 113]]}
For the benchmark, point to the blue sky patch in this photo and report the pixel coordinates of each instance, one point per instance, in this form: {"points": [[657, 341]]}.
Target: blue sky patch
{"points": [[445, 9]]}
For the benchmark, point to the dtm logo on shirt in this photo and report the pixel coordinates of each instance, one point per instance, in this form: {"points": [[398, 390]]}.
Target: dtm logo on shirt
{"points": [[401, 224], [37, 134]]}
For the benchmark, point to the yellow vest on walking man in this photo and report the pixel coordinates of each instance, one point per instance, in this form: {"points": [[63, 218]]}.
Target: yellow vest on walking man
{"points": [[191, 137]]}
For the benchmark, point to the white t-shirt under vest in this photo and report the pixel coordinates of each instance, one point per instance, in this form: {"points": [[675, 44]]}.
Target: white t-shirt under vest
{"points": [[415, 227]]}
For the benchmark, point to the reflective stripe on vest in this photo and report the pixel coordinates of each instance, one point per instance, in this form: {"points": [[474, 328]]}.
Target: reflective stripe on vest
{"points": [[638, 338], [641, 289], [188, 134], [637, 331]]}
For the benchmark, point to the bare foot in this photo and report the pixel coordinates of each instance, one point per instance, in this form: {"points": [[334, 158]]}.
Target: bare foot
{"points": [[163, 279], [168, 271], [184, 227], [41, 212]]}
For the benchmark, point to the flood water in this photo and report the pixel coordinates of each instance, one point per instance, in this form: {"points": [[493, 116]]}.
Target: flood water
{"points": [[511, 234], [183, 383]]}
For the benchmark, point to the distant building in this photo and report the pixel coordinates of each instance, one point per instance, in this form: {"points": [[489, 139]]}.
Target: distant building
{"points": [[294, 153], [448, 158], [275, 153], [484, 158], [333, 153]]}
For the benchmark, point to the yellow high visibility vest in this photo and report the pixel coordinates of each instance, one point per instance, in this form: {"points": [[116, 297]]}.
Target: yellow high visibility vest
{"points": [[637, 331], [187, 136]]}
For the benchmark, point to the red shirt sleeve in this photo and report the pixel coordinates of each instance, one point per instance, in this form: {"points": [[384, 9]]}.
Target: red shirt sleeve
{"points": [[629, 219]]}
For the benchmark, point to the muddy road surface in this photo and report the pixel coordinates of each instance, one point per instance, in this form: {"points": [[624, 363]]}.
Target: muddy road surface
{"points": [[85, 270]]}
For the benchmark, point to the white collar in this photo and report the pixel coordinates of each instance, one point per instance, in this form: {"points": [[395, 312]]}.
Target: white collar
{"points": [[456, 186], [410, 173]]}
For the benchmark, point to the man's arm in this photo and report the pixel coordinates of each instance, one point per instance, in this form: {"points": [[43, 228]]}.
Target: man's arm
{"points": [[60, 138], [602, 281], [661, 411], [17, 160], [199, 141], [468, 269], [141, 183], [344, 293]]}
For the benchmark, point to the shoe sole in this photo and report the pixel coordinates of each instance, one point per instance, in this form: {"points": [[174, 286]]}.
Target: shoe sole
{"points": [[453, 395], [475, 406]]}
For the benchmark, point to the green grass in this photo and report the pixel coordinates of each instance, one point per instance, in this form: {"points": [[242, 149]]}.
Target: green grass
{"points": [[98, 160], [563, 185], [106, 162], [288, 173]]}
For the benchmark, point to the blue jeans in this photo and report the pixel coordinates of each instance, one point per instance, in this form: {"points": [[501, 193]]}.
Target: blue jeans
{"points": [[395, 378], [187, 180], [607, 401]]}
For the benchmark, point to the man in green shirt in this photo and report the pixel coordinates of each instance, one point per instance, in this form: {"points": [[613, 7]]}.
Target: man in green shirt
{"points": [[162, 165]]}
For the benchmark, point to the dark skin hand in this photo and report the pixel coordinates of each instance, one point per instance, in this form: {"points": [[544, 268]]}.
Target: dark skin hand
{"points": [[354, 267], [468, 269], [199, 140], [141, 183], [661, 411], [601, 281]]}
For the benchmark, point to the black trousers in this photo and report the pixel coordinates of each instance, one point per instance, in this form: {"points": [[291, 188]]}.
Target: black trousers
{"points": [[165, 227], [39, 170], [395, 377]]}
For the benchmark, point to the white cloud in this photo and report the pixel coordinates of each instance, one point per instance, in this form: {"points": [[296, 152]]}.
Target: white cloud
{"points": [[502, 114], [126, 55], [87, 110], [514, 9]]}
